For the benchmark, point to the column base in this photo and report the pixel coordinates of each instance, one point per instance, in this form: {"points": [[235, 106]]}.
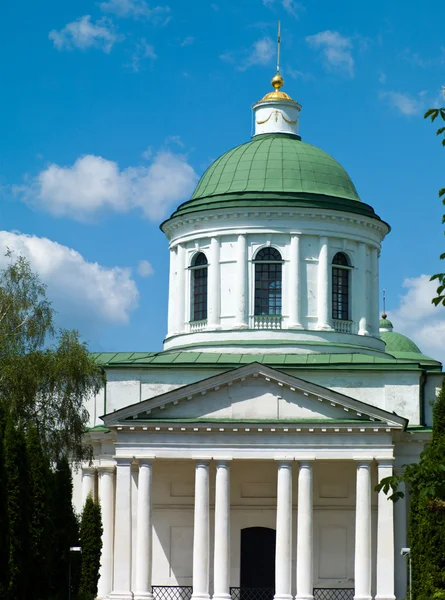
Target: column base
{"points": [[221, 597], [200, 597], [304, 597], [143, 596], [283, 597], [362, 597], [121, 596], [385, 597]]}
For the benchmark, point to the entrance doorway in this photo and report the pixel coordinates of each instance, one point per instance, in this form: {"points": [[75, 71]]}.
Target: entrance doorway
{"points": [[258, 560]]}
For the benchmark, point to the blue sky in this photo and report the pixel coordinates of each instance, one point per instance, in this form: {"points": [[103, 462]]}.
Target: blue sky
{"points": [[145, 96]]}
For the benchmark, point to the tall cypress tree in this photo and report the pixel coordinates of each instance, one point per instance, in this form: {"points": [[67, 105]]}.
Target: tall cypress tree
{"points": [[17, 492], [4, 526], [39, 516], [91, 543], [66, 529]]}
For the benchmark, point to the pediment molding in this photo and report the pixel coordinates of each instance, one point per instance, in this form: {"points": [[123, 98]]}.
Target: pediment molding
{"points": [[349, 408]]}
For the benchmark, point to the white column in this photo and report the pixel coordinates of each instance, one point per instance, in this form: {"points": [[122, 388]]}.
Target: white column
{"points": [[363, 558], [401, 541], [360, 290], [283, 553], [180, 290], [385, 539], [122, 532], [241, 283], [221, 570], [172, 293], [88, 483], [294, 283], [201, 532], [214, 285], [323, 296], [144, 552], [375, 292], [305, 549], [106, 498]]}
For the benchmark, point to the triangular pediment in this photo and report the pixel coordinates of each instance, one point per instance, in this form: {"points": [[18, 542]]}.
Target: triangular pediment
{"points": [[253, 393]]}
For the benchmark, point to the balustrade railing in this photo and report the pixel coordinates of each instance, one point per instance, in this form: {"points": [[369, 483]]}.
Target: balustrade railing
{"points": [[342, 326], [334, 594], [266, 322], [172, 592], [197, 325]]}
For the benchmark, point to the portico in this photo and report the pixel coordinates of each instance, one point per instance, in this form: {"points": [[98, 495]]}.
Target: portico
{"points": [[223, 476]]}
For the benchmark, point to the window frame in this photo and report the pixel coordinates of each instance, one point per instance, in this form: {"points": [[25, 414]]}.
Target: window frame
{"points": [[199, 274], [341, 272], [275, 300]]}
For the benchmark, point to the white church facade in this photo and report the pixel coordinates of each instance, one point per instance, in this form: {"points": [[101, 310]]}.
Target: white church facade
{"points": [[240, 462]]}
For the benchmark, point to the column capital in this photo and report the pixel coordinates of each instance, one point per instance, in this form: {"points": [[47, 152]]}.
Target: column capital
{"points": [[202, 460], [223, 462], [145, 461], [363, 461], [284, 459], [89, 470], [123, 461], [383, 463], [109, 468]]}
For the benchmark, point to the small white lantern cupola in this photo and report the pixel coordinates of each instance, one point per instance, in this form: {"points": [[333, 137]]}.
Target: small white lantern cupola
{"points": [[277, 112]]}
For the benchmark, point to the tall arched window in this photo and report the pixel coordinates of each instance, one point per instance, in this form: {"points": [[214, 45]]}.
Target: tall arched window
{"points": [[341, 268], [268, 267], [199, 287]]}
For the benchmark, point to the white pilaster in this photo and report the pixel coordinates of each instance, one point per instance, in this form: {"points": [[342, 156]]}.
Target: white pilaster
{"points": [[283, 553], [323, 292], [294, 283], [179, 299], [122, 532], [362, 562], [361, 290], [305, 544], [88, 483], [201, 532], [375, 293], [401, 541], [241, 283], [144, 532], [213, 317], [106, 498], [172, 295], [385, 539], [221, 570]]}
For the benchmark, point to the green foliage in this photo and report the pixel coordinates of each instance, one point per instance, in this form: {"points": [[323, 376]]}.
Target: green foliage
{"points": [[46, 376], [66, 530], [426, 481], [433, 114], [91, 543], [4, 525], [17, 493], [40, 527]]}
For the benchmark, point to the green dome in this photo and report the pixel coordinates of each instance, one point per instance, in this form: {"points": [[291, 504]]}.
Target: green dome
{"points": [[385, 324], [276, 170], [396, 342]]}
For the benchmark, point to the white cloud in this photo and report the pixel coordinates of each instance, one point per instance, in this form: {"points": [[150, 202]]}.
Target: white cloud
{"points": [[187, 41], [85, 294], [262, 53], [84, 34], [143, 51], [145, 269], [137, 9], [417, 318], [405, 104], [336, 50], [290, 6], [93, 184]]}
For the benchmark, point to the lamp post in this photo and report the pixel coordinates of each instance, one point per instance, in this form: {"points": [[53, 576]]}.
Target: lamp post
{"points": [[407, 552], [72, 550]]}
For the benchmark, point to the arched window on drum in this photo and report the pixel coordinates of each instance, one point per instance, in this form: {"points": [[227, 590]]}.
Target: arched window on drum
{"points": [[268, 277], [341, 282], [198, 298]]}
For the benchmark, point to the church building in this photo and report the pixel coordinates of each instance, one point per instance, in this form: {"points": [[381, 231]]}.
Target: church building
{"points": [[240, 462]]}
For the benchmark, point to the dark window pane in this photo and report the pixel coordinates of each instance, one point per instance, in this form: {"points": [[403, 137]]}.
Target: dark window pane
{"points": [[267, 289], [341, 259], [340, 293], [199, 294]]}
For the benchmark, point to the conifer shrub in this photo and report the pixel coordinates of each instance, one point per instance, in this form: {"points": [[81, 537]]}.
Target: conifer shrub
{"points": [[91, 543]]}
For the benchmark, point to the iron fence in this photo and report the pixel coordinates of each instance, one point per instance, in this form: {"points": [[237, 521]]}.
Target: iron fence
{"points": [[184, 592], [333, 594], [172, 592]]}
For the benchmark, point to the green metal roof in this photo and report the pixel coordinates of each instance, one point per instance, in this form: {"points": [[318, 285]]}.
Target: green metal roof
{"points": [[225, 360], [397, 342], [276, 170], [385, 323]]}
